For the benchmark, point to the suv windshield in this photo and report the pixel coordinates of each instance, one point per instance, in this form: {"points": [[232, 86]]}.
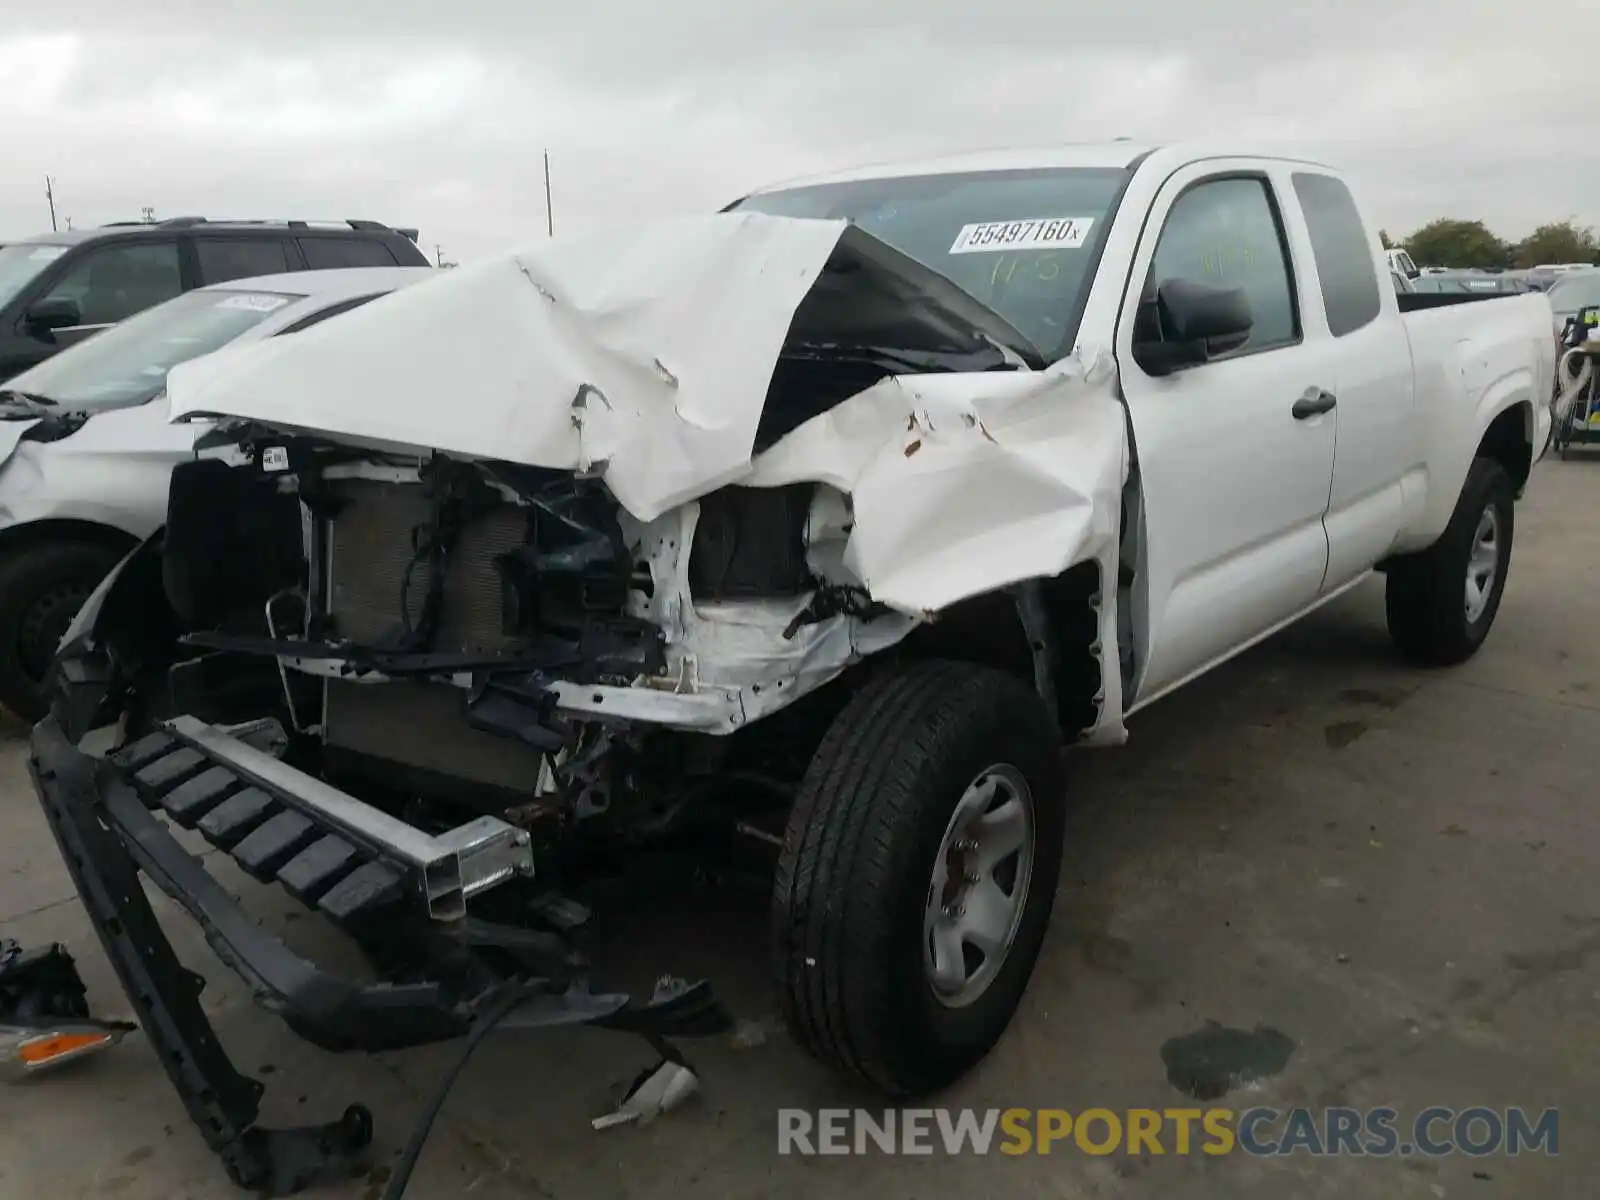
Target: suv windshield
{"points": [[20, 264], [128, 363], [1574, 291], [1019, 241]]}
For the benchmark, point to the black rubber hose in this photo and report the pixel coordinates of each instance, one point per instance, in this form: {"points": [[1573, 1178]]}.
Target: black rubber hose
{"points": [[493, 1013]]}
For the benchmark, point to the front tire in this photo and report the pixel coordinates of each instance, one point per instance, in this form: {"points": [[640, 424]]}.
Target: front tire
{"points": [[1441, 602], [42, 587], [918, 872]]}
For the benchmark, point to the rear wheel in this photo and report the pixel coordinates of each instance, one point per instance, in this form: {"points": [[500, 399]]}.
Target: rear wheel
{"points": [[42, 587], [1441, 602], [918, 872]]}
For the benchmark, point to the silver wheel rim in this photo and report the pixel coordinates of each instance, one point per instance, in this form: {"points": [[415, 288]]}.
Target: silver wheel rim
{"points": [[1483, 564], [979, 887]]}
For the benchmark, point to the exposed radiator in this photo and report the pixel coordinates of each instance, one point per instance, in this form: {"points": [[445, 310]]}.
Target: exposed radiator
{"points": [[371, 545], [418, 725]]}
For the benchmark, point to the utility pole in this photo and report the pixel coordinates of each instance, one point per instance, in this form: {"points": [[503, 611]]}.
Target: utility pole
{"points": [[50, 195], [549, 213], [149, 215], [438, 255]]}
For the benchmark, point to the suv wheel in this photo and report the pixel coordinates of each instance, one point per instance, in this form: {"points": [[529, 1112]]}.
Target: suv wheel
{"points": [[42, 587]]}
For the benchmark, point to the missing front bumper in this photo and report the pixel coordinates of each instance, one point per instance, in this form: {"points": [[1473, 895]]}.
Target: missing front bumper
{"points": [[108, 836]]}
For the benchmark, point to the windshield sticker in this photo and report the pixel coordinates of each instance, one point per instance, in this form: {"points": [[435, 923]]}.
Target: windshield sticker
{"points": [[1037, 233], [253, 302], [47, 253]]}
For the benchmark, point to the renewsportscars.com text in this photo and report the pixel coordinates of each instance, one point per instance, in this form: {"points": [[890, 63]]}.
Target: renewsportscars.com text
{"points": [[1324, 1132]]}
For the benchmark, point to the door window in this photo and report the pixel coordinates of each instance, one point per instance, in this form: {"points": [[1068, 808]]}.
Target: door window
{"points": [[113, 282], [327, 253], [222, 259], [1226, 232]]}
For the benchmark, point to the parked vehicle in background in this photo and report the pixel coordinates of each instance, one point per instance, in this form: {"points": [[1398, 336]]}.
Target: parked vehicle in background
{"points": [[1402, 285], [58, 288], [86, 449], [1399, 261], [969, 457], [1470, 281], [1572, 291]]}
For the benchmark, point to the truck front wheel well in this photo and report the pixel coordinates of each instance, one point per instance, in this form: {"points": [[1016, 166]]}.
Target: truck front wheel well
{"points": [[1508, 442], [1045, 632], [66, 529]]}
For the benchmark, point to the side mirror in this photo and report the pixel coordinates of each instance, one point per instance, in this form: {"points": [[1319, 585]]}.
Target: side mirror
{"points": [[1194, 323], [46, 316]]}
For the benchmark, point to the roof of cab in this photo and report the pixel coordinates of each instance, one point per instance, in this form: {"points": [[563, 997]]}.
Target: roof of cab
{"points": [[1122, 153]]}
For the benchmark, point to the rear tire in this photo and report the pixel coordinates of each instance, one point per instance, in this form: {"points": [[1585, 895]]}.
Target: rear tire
{"points": [[1436, 615], [889, 834], [42, 587]]}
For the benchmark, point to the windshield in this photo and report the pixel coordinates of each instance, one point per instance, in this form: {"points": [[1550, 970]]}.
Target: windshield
{"points": [[128, 363], [1019, 241], [20, 264], [1573, 292]]}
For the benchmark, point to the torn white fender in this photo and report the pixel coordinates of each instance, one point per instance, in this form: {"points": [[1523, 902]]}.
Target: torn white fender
{"points": [[965, 484]]}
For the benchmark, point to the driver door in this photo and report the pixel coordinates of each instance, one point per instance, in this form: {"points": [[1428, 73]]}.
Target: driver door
{"points": [[1235, 485]]}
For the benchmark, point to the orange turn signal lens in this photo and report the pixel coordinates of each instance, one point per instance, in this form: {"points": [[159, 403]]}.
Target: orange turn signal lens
{"points": [[42, 1051]]}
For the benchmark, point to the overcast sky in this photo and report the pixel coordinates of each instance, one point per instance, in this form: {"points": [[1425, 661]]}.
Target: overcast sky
{"points": [[437, 114]]}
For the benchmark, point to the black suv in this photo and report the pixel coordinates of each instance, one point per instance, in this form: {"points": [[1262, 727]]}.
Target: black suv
{"points": [[59, 288]]}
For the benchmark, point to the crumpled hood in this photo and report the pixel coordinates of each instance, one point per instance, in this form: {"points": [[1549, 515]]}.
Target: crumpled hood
{"points": [[644, 353]]}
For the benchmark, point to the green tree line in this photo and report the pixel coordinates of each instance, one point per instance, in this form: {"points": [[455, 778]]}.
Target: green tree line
{"points": [[1452, 242]]}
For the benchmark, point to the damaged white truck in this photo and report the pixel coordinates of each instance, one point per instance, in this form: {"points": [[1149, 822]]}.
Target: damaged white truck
{"points": [[830, 517]]}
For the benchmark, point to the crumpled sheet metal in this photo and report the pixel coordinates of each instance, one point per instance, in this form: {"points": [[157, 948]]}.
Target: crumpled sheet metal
{"points": [[963, 484], [646, 348], [645, 354]]}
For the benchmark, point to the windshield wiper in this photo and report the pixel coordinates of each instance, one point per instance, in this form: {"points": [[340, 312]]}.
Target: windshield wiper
{"points": [[31, 404], [889, 359]]}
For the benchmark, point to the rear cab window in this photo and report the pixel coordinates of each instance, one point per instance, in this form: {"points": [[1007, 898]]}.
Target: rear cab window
{"points": [[1346, 268]]}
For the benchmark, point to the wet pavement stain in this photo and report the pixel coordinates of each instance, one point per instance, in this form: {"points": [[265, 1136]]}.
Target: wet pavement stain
{"points": [[1210, 1062], [1341, 733], [1377, 697]]}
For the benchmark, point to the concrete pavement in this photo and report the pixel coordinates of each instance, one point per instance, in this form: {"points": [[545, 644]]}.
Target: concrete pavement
{"points": [[1394, 868]]}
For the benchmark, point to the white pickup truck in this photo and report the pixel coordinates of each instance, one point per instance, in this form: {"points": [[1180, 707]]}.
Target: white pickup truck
{"points": [[825, 520]]}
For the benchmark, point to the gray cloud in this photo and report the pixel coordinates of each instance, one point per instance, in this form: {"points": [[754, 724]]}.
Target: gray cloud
{"points": [[437, 115]]}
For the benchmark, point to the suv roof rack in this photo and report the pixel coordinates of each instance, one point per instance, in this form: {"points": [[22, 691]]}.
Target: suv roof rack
{"points": [[187, 222], [356, 223]]}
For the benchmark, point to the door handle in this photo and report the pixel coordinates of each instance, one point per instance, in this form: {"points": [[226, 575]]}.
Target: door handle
{"points": [[1314, 403]]}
